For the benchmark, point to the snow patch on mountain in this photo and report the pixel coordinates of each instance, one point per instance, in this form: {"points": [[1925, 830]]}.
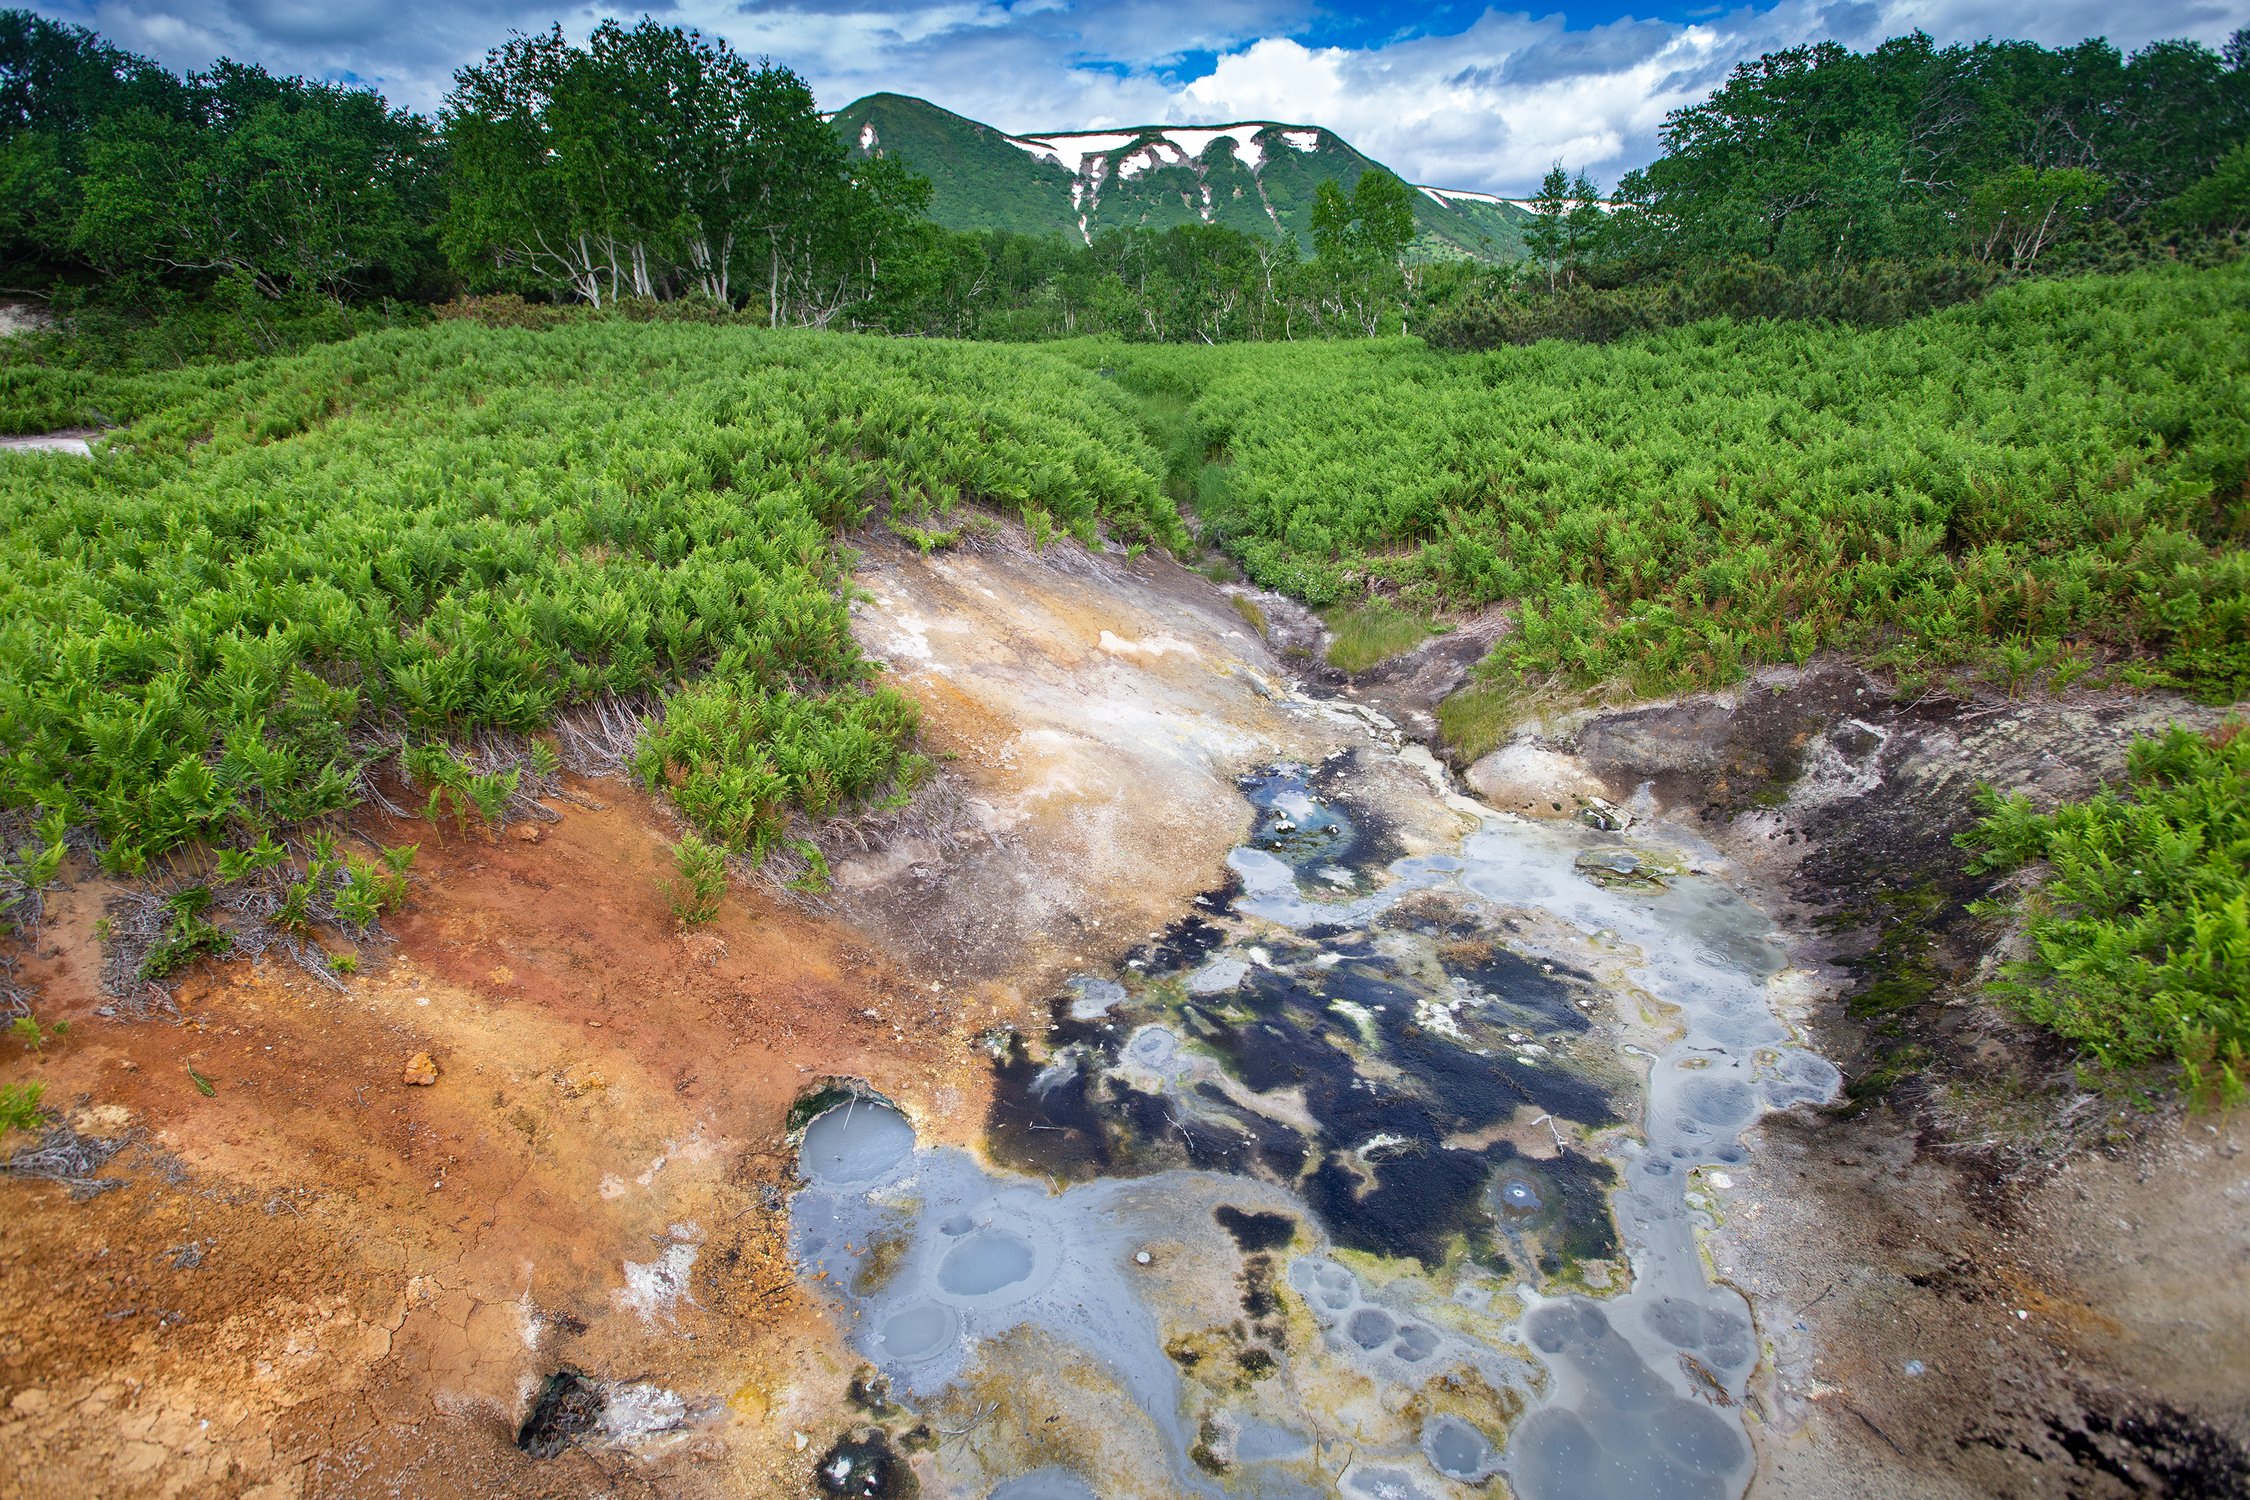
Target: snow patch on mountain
{"points": [[1070, 151], [1085, 152], [1196, 142], [1447, 196]]}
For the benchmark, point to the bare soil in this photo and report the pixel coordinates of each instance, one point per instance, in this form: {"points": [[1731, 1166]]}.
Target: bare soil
{"points": [[321, 1280]]}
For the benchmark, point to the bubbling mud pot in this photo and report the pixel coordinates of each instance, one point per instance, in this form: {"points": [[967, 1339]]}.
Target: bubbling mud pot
{"points": [[1379, 1175]]}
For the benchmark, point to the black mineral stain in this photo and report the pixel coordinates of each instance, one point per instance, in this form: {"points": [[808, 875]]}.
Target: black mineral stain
{"points": [[1254, 1230], [1418, 1204], [1296, 1040], [1541, 998], [1339, 830], [1277, 1031], [1053, 1129], [863, 1465], [1256, 1145], [567, 1405], [1384, 1094], [1193, 938], [1258, 1299], [1553, 1213]]}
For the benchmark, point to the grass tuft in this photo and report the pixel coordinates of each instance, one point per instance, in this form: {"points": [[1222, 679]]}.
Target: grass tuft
{"points": [[1365, 635], [699, 880], [1477, 718]]}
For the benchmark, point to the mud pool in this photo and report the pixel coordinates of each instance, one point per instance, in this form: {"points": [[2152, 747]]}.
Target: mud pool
{"points": [[1380, 1175]]}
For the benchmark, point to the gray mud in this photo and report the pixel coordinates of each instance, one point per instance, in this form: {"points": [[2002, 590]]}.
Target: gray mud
{"points": [[1381, 1177]]}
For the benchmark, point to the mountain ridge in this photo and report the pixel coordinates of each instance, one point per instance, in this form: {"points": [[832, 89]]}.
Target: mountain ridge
{"points": [[1256, 176]]}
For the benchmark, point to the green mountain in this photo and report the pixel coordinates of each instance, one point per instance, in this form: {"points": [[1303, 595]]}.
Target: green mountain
{"points": [[1258, 176]]}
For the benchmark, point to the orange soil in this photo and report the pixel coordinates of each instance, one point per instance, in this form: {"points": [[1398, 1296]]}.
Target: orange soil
{"points": [[386, 1271]]}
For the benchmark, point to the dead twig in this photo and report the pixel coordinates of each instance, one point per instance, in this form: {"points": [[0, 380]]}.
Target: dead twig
{"points": [[983, 1415], [63, 1155]]}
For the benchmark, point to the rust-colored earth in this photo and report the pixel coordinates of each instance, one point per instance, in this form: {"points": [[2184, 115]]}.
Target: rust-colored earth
{"points": [[323, 1280]]}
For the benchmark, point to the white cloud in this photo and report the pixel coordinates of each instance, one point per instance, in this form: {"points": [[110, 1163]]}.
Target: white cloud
{"points": [[1273, 78], [1487, 107], [1493, 105]]}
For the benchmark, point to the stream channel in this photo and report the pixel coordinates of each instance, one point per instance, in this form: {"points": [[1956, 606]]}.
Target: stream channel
{"points": [[1382, 1175]]}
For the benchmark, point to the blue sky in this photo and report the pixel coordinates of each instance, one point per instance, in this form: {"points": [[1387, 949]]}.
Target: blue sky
{"points": [[1460, 95]]}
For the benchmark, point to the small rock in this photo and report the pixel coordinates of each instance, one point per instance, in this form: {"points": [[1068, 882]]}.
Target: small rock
{"points": [[102, 1121], [421, 1070], [1625, 868], [1598, 812]]}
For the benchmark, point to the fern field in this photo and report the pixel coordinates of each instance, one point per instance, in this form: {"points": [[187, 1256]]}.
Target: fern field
{"points": [[284, 572], [2047, 482]]}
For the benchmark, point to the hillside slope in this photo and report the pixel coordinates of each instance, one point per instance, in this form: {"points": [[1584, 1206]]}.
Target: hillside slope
{"points": [[1256, 176]]}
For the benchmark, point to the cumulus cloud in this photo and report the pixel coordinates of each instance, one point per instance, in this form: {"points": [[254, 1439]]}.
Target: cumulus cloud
{"points": [[1487, 104]]}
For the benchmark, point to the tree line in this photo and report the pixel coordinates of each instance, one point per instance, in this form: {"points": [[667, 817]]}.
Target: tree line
{"points": [[1873, 185], [654, 165], [653, 162]]}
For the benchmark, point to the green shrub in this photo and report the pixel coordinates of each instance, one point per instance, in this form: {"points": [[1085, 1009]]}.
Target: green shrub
{"points": [[1876, 295], [187, 935], [19, 1106], [2139, 925], [34, 1036], [736, 758], [2062, 466], [699, 880]]}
